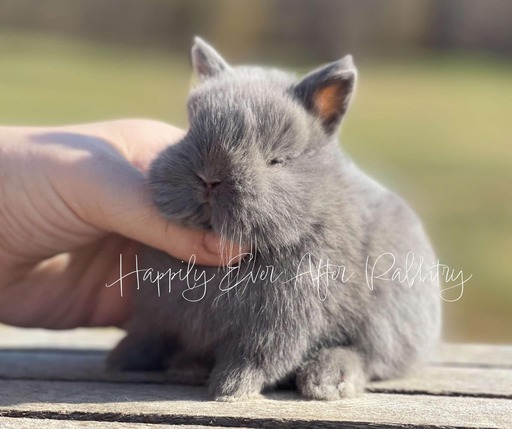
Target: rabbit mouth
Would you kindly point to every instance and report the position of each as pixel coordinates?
(205, 216)
(198, 218)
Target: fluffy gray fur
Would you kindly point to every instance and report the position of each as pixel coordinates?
(280, 183)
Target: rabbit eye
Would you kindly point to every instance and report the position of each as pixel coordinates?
(276, 161)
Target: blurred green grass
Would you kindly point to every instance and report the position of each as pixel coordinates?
(436, 128)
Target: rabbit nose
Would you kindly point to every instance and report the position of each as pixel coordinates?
(211, 183)
(208, 184)
(208, 188)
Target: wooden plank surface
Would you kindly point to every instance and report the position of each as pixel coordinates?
(66, 366)
(104, 339)
(89, 339)
(83, 366)
(150, 403)
(36, 423)
(484, 355)
(57, 379)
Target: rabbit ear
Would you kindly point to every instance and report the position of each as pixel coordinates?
(326, 92)
(205, 60)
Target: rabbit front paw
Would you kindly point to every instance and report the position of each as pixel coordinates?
(333, 374)
(235, 384)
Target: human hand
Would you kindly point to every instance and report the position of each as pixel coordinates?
(72, 199)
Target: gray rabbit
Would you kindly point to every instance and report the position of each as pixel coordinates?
(335, 290)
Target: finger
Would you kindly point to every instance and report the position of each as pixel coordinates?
(141, 140)
(138, 140)
(126, 209)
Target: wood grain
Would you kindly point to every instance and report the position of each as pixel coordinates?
(36, 423)
(57, 379)
(86, 366)
(192, 405)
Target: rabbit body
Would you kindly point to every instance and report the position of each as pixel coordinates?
(335, 290)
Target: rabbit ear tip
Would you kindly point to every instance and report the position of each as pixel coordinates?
(198, 41)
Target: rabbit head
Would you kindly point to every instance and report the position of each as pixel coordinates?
(260, 161)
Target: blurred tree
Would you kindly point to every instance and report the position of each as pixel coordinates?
(304, 29)
(472, 25)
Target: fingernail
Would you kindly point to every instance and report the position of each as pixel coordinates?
(230, 254)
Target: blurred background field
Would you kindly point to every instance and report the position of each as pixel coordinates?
(431, 117)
